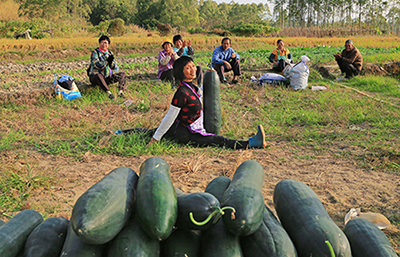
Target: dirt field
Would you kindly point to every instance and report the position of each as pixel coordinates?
(340, 183)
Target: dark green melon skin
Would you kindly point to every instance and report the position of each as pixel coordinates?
(74, 246)
(181, 243)
(245, 195)
(212, 102)
(133, 241)
(101, 212)
(156, 203)
(15, 232)
(47, 239)
(2, 223)
(201, 205)
(218, 186)
(269, 240)
(218, 241)
(307, 222)
(367, 240)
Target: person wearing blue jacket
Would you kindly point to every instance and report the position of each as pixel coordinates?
(225, 59)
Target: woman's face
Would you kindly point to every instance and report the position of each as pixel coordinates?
(179, 44)
(189, 71)
(281, 45)
(104, 44)
(167, 47)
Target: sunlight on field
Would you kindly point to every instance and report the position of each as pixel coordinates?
(202, 42)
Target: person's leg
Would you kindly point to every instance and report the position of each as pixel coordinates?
(220, 69)
(281, 65)
(99, 80)
(119, 77)
(348, 68)
(236, 69)
(168, 76)
(199, 76)
(182, 135)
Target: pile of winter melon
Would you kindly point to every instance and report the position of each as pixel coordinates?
(144, 216)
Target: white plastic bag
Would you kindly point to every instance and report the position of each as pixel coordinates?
(271, 78)
(299, 74)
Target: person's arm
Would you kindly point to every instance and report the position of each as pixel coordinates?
(175, 56)
(179, 52)
(216, 59)
(114, 65)
(352, 57)
(167, 122)
(99, 62)
(190, 50)
(163, 58)
(271, 58)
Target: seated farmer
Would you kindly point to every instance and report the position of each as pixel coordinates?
(166, 60)
(103, 69)
(184, 48)
(225, 59)
(183, 122)
(350, 61)
(279, 55)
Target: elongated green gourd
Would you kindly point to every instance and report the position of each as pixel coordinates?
(244, 194)
(181, 243)
(103, 210)
(307, 222)
(133, 241)
(269, 240)
(211, 102)
(14, 233)
(74, 246)
(367, 240)
(217, 187)
(47, 239)
(156, 203)
(218, 241)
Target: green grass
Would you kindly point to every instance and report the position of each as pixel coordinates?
(15, 186)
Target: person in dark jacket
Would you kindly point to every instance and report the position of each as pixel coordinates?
(104, 69)
(350, 61)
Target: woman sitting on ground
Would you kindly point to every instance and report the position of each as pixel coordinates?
(279, 56)
(166, 60)
(183, 122)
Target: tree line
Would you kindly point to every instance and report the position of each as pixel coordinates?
(379, 15)
(208, 16)
(181, 14)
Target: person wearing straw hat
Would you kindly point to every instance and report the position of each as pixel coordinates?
(104, 70)
(166, 60)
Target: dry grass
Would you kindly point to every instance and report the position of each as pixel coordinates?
(139, 43)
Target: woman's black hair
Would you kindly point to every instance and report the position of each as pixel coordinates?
(176, 38)
(104, 37)
(279, 40)
(179, 64)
